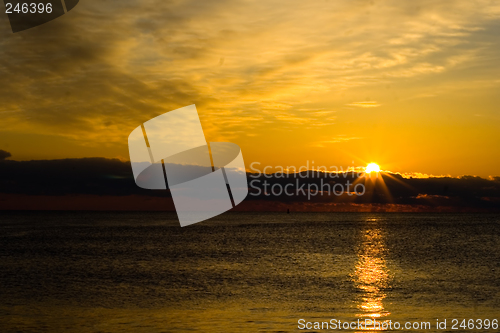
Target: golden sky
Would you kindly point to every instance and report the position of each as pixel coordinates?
(411, 85)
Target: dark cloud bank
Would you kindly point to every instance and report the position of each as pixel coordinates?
(99, 183)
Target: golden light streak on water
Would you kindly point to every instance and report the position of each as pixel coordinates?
(371, 275)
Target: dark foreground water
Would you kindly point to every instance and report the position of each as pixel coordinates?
(141, 272)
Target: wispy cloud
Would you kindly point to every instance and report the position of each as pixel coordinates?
(337, 139)
(370, 104)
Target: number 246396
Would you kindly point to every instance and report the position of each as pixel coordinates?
(26, 8)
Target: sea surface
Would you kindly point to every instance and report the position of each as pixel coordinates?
(244, 272)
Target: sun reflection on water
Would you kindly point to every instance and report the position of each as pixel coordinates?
(371, 276)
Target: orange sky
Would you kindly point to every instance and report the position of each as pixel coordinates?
(412, 86)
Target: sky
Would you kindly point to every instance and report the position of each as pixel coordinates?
(410, 85)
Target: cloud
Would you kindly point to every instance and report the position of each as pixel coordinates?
(337, 139)
(106, 67)
(4, 154)
(370, 104)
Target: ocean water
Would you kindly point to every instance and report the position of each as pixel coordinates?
(244, 272)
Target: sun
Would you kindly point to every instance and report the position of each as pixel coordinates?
(372, 167)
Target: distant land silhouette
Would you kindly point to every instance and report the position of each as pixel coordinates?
(108, 184)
